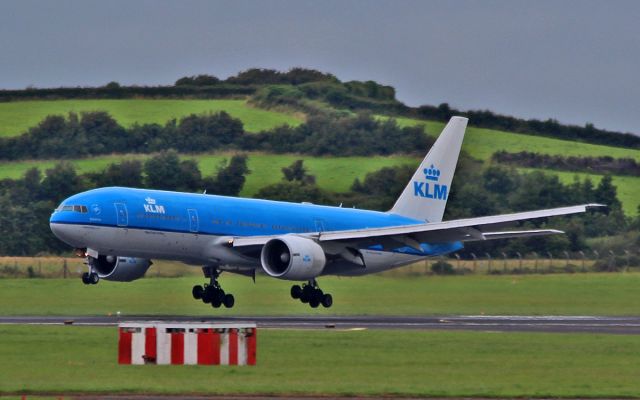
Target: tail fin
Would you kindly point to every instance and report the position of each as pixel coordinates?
(425, 196)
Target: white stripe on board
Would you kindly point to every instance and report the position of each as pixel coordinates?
(224, 348)
(137, 347)
(242, 347)
(190, 348)
(163, 340)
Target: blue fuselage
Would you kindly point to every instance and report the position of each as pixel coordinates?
(190, 214)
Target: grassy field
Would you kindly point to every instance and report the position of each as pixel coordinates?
(53, 267)
(553, 294)
(482, 143)
(81, 359)
(16, 117)
(628, 187)
(332, 173)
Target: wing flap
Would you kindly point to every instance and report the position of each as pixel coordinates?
(520, 234)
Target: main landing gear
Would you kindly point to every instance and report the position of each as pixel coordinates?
(212, 293)
(312, 294)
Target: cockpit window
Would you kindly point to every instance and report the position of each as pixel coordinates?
(80, 209)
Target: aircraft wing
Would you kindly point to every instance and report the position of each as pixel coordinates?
(469, 229)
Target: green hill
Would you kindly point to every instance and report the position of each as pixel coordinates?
(18, 116)
(332, 173)
(482, 143)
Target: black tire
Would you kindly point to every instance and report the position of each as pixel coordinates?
(314, 303)
(94, 278)
(207, 295)
(307, 294)
(296, 291)
(228, 300)
(327, 300)
(216, 302)
(85, 278)
(197, 292)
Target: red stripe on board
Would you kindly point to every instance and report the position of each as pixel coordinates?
(252, 341)
(124, 347)
(150, 345)
(233, 346)
(177, 348)
(205, 347)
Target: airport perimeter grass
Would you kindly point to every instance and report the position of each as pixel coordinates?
(553, 294)
(67, 360)
(18, 116)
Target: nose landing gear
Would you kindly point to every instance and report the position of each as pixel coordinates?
(212, 293)
(312, 294)
(90, 278)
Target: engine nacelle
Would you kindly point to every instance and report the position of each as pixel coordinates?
(121, 269)
(293, 258)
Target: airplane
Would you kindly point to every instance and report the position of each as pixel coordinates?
(119, 230)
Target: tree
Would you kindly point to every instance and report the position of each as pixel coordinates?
(229, 178)
(60, 182)
(162, 171)
(127, 173)
(298, 173)
(606, 193)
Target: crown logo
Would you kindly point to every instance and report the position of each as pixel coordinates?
(432, 173)
(149, 200)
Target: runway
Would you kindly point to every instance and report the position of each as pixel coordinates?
(574, 324)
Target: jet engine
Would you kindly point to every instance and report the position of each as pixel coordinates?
(121, 269)
(293, 258)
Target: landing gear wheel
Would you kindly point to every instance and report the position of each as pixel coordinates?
(94, 278)
(197, 292)
(217, 298)
(312, 294)
(228, 300)
(216, 302)
(212, 293)
(307, 294)
(296, 291)
(327, 300)
(85, 278)
(207, 295)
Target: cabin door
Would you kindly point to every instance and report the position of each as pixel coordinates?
(121, 214)
(193, 220)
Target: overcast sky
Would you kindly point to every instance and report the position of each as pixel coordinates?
(576, 61)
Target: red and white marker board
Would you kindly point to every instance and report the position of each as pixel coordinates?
(187, 343)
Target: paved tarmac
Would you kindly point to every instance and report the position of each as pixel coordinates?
(586, 324)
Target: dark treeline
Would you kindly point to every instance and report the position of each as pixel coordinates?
(115, 91)
(28, 202)
(549, 127)
(94, 133)
(601, 165)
